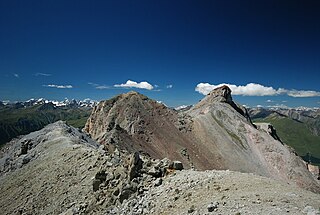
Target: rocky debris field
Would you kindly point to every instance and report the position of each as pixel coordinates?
(59, 170)
(224, 192)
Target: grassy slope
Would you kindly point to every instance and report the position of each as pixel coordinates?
(15, 122)
(296, 135)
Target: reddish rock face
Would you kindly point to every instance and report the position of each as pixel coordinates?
(136, 123)
(215, 134)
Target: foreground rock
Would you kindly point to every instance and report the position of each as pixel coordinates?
(61, 170)
(68, 173)
(226, 192)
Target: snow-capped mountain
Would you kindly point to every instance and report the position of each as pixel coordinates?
(64, 103)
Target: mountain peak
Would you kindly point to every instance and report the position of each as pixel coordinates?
(218, 95)
(132, 94)
(222, 94)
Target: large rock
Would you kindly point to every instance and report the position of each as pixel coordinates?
(135, 165)
(177, 165)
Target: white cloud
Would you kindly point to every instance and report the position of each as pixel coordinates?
(42, 74)
(93, 84)
(169, 86)
(270, 101)
(102, 87)
(250, 89)
(302, 93)
(58, 86)
(131, 84)
(253, 89)
(16, 75)
(259, 106)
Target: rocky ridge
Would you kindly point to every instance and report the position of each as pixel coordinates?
(61, 170)
(216, 133)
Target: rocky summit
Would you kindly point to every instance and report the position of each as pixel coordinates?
(136, 156)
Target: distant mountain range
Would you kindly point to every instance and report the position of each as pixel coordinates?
(55, 103)
(18, 118)
(297, 127)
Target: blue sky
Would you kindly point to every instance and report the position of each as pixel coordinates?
(90, 49)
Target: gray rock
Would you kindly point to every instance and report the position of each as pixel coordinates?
(212, 206)
(125, 194)
(135, 165)
(158, 182)
(165, 162)
(24, 147)
(177, 165)
(309, 210)
(95, 184)
(155, 172)
(191, 209)
(26, 160)
(101, 175)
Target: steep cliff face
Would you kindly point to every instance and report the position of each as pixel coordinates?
(214, 134)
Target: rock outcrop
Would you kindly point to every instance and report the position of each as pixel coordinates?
(216, 133)
(267, 127)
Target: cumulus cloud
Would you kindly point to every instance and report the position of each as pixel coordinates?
(58, 86)
(133, 84)
(169, 86)
(270, 101)
(42, 74)
(253, 89)
(16, 75)
(250, 89)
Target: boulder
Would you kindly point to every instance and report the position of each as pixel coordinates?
(177, 165)
(135, 165)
